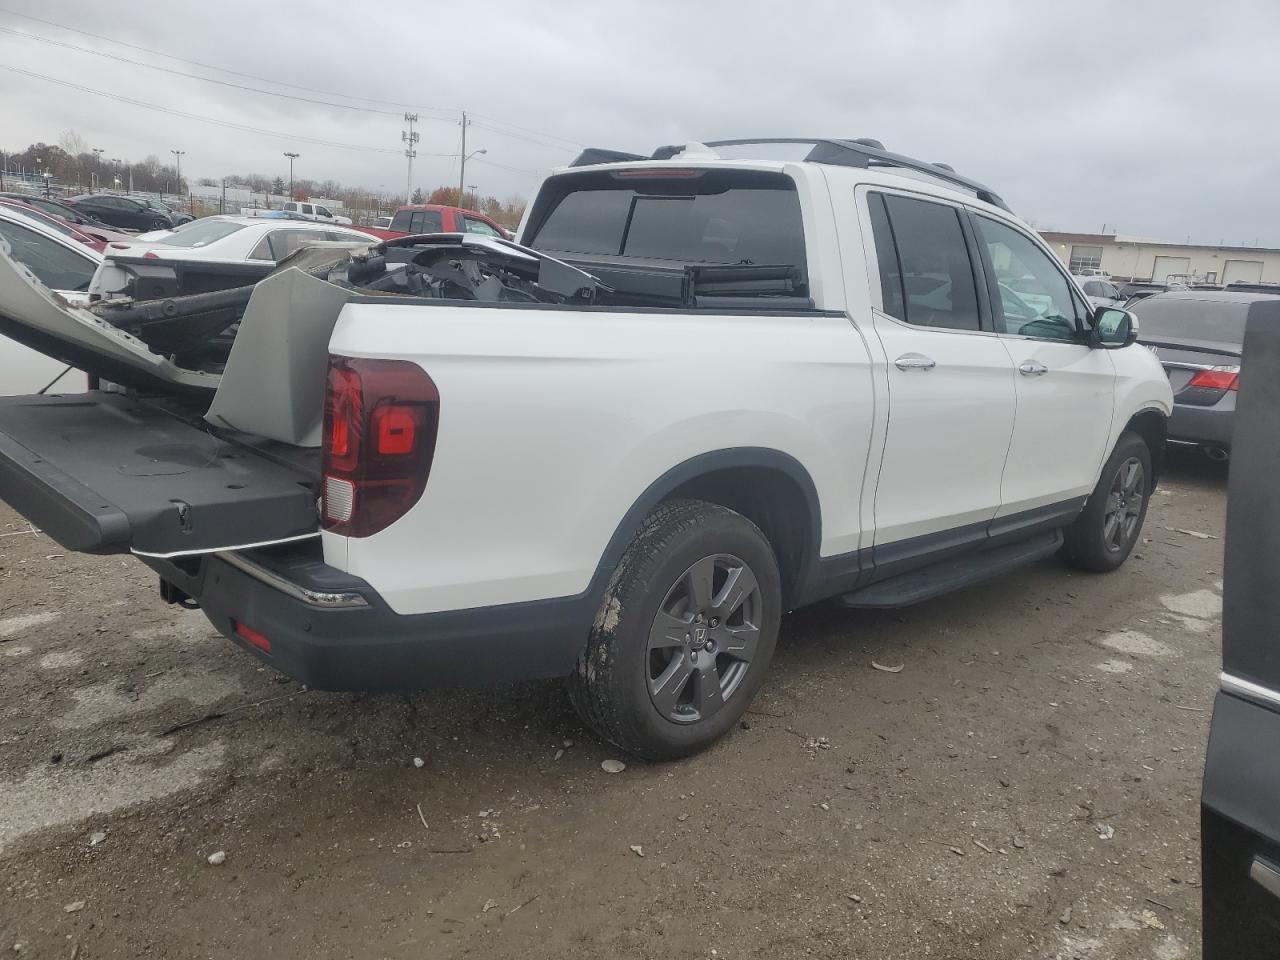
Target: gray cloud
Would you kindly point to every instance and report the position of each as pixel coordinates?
(1154, 118)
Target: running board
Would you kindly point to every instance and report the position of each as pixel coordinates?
(947, 575)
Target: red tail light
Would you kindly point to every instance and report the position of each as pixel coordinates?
(1220, 378)
(252, 636)
(380, 420)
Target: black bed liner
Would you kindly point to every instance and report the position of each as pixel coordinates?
(111, 473)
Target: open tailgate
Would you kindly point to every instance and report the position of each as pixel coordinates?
(109, 473)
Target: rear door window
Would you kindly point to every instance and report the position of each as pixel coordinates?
(426, 221)
(925, 269)
(686, 216)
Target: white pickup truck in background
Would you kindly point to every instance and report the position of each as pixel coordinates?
(705, 391)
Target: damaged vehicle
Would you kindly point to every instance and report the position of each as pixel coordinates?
(713, 385)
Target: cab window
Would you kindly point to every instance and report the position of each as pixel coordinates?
(1034, 297)
(926, 274)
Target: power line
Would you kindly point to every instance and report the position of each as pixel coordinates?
(210, 66)
(203, 119)
(505, 166)
(521, 136)
(537, 136)
(192, 76)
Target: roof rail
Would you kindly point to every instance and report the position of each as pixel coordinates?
(863, 152)
(871, 153)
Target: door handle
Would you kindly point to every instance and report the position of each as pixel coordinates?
(1266, 876)
(914, 361)
(1032, 368)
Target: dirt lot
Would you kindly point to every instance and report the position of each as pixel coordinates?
(1026, 786)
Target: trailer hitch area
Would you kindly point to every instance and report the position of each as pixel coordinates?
(171, 593)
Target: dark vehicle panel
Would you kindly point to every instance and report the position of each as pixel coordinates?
(1240, 805)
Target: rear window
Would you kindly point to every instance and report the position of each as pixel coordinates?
(1213, 321)
(200, 233)
(418, 221)
(715, 217)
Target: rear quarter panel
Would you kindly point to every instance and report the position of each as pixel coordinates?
(554, 422)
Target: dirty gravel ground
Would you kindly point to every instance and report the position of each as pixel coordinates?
(957, 809)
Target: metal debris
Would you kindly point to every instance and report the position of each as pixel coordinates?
(882, 668)
(613, 766)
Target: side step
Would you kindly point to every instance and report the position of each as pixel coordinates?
(933, 581)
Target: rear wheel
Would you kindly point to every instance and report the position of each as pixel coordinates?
(1104, 534)
(684, 634)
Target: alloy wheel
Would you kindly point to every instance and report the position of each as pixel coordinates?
(703, 638)
(1124, 505)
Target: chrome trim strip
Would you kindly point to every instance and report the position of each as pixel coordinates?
(315, 598)
(1249, 689)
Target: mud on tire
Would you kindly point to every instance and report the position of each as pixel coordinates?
(684, 635)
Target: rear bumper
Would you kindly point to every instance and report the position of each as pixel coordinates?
(1210, 425)
(332, 631)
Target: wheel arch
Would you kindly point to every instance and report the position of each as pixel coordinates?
(1153, 427)
(770, 488)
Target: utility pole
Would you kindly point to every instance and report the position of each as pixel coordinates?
(177, 154)
(410, 140)
(292, 157)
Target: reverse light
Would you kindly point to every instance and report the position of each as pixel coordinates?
(1217, 378)
(380, 422)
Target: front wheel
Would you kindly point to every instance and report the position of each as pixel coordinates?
(158, 224)
(1104, 534)
(684, 634)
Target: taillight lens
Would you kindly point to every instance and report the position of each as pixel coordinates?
(1219, 378)
(380, 422)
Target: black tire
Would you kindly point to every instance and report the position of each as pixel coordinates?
(158, 224)
(659, 573)
(1092, 543)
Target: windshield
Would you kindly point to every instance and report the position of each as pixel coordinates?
(201, 233)
(1213, 321)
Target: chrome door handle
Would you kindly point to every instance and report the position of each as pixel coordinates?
(1032, 368)
(1266, 876)
(914, 361)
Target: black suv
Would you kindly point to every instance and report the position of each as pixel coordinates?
(129, 213)
(1240, 807)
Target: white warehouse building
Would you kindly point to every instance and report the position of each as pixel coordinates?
(1133, 258)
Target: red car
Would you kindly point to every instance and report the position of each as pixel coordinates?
(437, 218)
(56, 223)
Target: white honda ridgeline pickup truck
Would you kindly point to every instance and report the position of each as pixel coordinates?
(706, 388)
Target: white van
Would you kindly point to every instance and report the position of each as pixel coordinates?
(313, 211)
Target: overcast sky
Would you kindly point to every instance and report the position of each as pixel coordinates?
(1158, 119)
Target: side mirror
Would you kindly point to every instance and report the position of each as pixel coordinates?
(1113, 328)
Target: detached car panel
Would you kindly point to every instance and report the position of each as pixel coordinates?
(1240, 807)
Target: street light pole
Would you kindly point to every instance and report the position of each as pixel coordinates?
(292, 157)
(177, 155)
(462, 173)
(97, 156)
